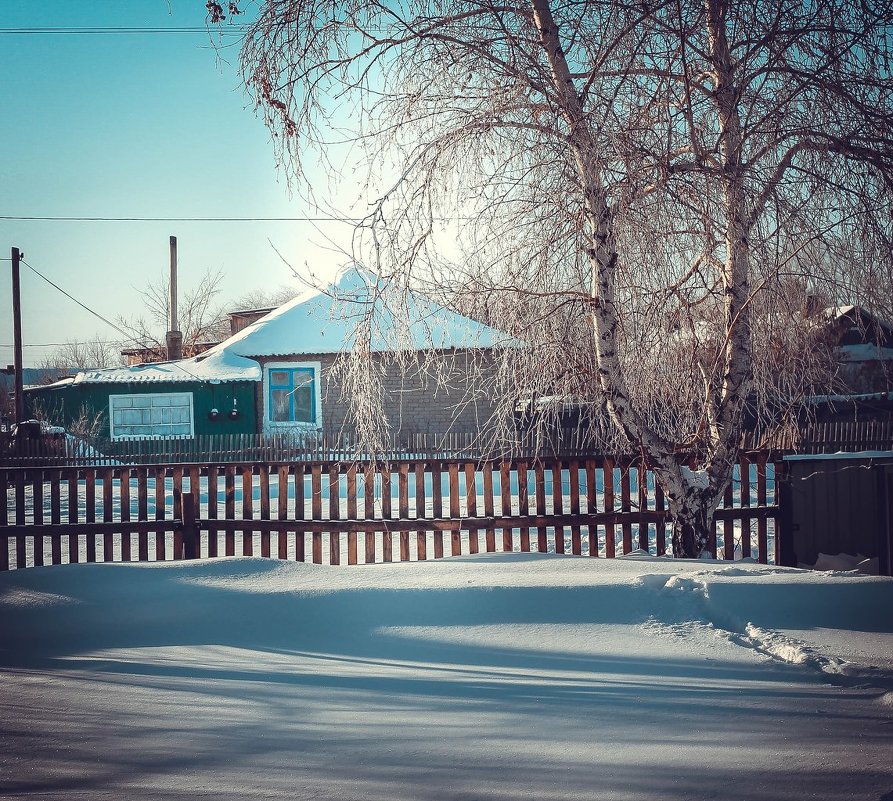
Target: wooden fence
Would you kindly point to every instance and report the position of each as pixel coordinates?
(330, 512)
(329, 446)
(62, 450)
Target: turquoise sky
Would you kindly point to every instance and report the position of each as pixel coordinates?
(133, 125)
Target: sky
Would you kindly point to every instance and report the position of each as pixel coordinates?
(497, 676)
(135, 125)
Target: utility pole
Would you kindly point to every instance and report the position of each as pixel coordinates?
(174, 339)
(17, 336)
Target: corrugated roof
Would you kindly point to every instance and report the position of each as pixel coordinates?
(220, 366)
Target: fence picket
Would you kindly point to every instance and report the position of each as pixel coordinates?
(369, 511)
(352, 512)
(37, 505)
(316, 511)
(160, 510)
(626, 527)
(642, 485)
(540, 491)
(403, 504)
(744, 494)
(573, 470)
(505, 494)
(177, 480)
(660, 505)
(142, 512)
(229, 510)
(247, 509)
(264, 482)
(334, 514)
(455, 539)
(387, 537)
(490, 534)
(108, 544)
(300, 512)
(437, 507)
(558, 504)
(591, 506)
(421, 533)
(762, 530)
(124, 495)
(471, 505)
(608, 484)
(523, 504)
(213, 509)
(73, 539)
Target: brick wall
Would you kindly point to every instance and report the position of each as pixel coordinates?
(415, 398)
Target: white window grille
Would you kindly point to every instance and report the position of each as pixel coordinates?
(151, 416)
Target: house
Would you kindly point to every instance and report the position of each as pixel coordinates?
(280, 372)
(864, 349)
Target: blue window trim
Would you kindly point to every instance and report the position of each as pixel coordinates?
(292, 372)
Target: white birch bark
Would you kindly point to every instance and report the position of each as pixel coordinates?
(644, 194)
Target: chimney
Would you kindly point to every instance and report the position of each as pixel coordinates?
(174, 338)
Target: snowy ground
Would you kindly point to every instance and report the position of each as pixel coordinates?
(492, 677)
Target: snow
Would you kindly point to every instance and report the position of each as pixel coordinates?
(221, 365)
(489, 677)
(326, 322)
(697, 479)
(316, 323)
(837, 456)
(864, 352)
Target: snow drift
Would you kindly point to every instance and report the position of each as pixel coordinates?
(499, 676)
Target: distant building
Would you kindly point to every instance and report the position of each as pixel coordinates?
(153, 354)
(158, 353)
(244, 317)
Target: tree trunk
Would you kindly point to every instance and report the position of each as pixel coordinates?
(692, 498)
(692, 530)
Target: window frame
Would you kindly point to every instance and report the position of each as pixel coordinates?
(316, 400)
(147, 398)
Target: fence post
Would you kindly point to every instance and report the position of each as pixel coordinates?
(190, 527)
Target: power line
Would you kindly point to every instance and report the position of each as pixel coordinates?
(118, 328)
(82, 305)
(63, 344)
(230, 30)
(60, 218)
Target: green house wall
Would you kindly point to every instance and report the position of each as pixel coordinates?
(65, 405)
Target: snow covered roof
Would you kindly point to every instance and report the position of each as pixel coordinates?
(326, 322)
(322, 322)
(855, 313)
(220, 366)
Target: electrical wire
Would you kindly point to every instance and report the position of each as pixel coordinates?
(229, 30)
(19, 218)
(104, 319)
(63, 344)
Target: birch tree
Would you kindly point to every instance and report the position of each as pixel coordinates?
(631, 189)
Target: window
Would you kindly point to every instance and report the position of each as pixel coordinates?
(292, 395)
(156, 415)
